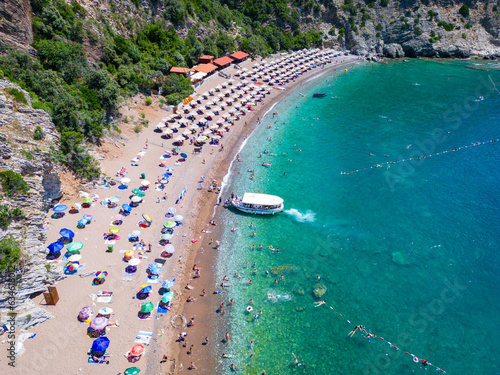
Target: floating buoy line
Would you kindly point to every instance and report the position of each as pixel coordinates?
(388, 163)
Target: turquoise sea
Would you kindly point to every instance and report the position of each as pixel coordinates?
(410, 252)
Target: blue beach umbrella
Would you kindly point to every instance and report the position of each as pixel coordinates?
(183, 155)
(126, 207)
(60, 208)
(66, 233)
(145, 288)
(100, 344)
(154, 268)
(55, 247)
(169, 170)
(167, 284)
(82, 222)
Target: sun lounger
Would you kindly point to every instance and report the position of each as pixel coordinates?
(143, 337)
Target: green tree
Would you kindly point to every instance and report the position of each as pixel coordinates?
(13, 183)
(10, 253)
(464, 11)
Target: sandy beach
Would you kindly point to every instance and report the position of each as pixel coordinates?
(61, 344)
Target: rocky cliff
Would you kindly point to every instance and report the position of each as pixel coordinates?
(380, 27)
(21, 153)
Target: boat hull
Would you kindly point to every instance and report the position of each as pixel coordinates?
(256, 211)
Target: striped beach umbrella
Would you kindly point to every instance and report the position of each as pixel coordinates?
(114, 230)
(145, 288)
(101, 274)
(99, 323)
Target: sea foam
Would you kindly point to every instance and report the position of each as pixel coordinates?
(307, 217)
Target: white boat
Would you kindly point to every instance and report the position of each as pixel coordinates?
(254, 203)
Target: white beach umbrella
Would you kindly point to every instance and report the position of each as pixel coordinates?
(201, 138)
(214, 126)
(186, 132)
(161, 125)
(125, 180)
(215, 136)
(167, 131)
(179, 138)
(207, 132)
(145, 183)
(209, 103)
(194, 127)
(136, 199)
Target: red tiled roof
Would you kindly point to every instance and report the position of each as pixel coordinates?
(223, 61)
(177, 69)
(205, 68)
(239, 55)
(206, 57)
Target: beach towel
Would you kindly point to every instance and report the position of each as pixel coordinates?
(126, 279)
(109, 242)
(104, 297)
(147, 318)
(143, 337)
(129, 273)
(153, 281)
(91, 360)
(160, 310)
(81, 267)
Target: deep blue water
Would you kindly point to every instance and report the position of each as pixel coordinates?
(410, 252)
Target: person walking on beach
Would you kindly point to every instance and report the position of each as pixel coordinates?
(227, 336)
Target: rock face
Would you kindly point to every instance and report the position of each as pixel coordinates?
(21, 153)
(15, 25)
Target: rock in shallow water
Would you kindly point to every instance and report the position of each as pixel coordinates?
(399, 259)
(319, 290)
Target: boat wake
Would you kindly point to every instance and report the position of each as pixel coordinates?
(307, 217)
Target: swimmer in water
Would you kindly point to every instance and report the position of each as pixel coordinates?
(295, 360)
(317, 304)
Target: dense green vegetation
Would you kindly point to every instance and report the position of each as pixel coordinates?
(13, 183)
(7, 215)
(82, 99)
(16, 94)
(10, 253)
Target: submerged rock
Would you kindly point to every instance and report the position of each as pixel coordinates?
(319, 290)
(399, 259)
(299, 291)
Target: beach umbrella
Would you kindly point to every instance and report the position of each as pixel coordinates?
(167, 236)
(129, 254)
(167, 131)
(55, 247)
(114, 199)
(194, 127)
(170, 224)
(186, 132)
(170, 248)
(216, 136)
(87, 217)
(105, 311)
(132, 371)
(178, 218)
(60, 208)
(147, 218)
(145, 288)
(76, 206)
(75, 246)
(99, 323)
(118, 217)
(167, 284)
(183, 155)
(171, 210)
(179, 138)
(71, 267)
(82, 223)
(135, 233)
(101, 274)
(66, 233)
(134, 262)
(136, 191)
(147, 307)
(145, 183)
(126, 207)
(141, 194)
(167, 297)
(201, 138)
(154, 268)
(75, 258)
(169, 170)
(136, 199)
(114, 230)
(85, 313)
(100, 344)
(138, 349)
(125, 180)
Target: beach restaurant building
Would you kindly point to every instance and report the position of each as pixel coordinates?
(208, 69)
(223, 62)
(180, 70)
(205, 59)
(239, 56)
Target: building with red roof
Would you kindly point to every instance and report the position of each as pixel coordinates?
(205, 59)
(239, 56)
(222, 62)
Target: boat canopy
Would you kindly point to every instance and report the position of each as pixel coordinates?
(261, 199)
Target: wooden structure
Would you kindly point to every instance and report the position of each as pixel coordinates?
(51, 297)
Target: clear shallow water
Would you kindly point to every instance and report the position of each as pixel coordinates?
(409, 252)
